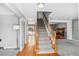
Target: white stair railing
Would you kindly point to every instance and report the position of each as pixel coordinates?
(45, 22)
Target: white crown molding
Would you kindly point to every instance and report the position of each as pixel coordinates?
(15, 10)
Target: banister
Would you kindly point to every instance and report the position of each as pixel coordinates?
(52, 38)
(45, 22)
(36, 40)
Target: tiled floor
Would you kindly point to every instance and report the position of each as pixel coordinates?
(68, 47)
(8, 52)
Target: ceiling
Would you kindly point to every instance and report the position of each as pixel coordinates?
(64, 11)
(4, 10)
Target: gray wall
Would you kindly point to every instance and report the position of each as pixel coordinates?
(7, 34)
(78, 20)
(75, 30)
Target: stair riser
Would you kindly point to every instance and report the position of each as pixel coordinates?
(44, 40)
(45, 51)
(42, 27)
(43, 43)
(45, 46)
(42, 37)
(42, 33)
(42, 30)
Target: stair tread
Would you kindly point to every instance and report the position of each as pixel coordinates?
(45, 51)
(45, 46)
(42, 32)
(43, 37)
(44, 41)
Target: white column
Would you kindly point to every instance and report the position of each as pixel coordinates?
(69, 30)
(78, 20)
(21, 34)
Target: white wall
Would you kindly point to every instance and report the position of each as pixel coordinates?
(75, 30)
(28, 10)
(61, 25)
(69, 30)
(7, 34)
(78, 20)
(39, 15)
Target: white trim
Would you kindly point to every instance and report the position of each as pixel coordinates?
(15, 10)
(9, 47)
(75, 40)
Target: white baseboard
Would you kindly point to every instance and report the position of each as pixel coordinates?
(9, 47)
(75, 40)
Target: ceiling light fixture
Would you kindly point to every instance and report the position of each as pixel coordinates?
(40, 5)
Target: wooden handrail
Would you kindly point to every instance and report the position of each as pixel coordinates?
(54, 43)
(36, 40)
(45, 17)
(52, 38)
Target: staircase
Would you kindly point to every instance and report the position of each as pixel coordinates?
(44, 43)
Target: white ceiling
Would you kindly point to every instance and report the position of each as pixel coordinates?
(27, 9)
(59, 10)
(4, 10)
(64, 11)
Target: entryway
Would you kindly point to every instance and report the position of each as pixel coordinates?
(61, 30)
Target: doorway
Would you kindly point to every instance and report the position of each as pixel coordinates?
(60, 33)
(61, 30)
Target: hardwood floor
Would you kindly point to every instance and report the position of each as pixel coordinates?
(29, 51)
